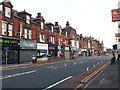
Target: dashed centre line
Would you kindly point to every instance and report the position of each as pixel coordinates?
(18, 74)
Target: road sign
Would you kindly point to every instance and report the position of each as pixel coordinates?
(6, 48)
(117, 35)
(118, 39)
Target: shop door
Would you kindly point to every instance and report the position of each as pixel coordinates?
(11, 56)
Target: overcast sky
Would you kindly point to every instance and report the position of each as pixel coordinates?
(89, 17)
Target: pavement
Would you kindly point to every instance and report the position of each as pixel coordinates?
(109, 78)
(45, 62)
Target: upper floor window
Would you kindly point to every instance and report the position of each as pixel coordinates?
(60, 41)
(27, 19)
(66, 33)
(66, 42)
(1, 7)
(10, 30)
(42, 38)
(42, 26)
(4, 29)
(30, 34)
(20, 29)
(52, 29)
(26, 36)
(8, 12)
(52, 39)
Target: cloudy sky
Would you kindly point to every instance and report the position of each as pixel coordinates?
(89, 17)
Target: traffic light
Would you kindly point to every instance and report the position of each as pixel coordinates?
(115, 47)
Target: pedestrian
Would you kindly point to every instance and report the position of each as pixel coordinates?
(113, 59)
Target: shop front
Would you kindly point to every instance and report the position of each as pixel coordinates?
(9, 50)
(52, 50)
(84, 52)
(28, 50)
(67, 53)
(42, 50)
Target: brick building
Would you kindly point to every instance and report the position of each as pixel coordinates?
(24, 38)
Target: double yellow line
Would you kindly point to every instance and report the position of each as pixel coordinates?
(91, 75)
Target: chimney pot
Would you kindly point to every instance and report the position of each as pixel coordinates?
(67, 24)
(38, 15)
(56, 23)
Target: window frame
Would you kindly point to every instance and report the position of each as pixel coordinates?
(27, 19)
(30, 34)
(10, 29)
(7, 11)
(1, 7)
(26, 33)
(21, 29)
(66, 34)
(52, 29)
(4, 29)
(42, 25)
(60, 32)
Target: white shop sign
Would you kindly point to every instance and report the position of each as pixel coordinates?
(42, 46)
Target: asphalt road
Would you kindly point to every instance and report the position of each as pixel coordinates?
(50, 75)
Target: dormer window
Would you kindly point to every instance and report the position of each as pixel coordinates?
(52, 29)
(1, 7)
(60, 31)
(27, 19)
(42, 25)
(8, 12)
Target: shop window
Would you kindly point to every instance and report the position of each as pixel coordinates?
(26, 34)
(10, 30)
(30, 34)
(8, 12)
(27, 19)
(1, 7)
(4, 29)
(42, 25)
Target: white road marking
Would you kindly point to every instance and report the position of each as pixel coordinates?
(55, 67)
(87, 68)
(58, 83)
(18, 74)
(74, 63)
(94, 78)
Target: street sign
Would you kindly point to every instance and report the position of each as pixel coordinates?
(6, 48)
(116, 15)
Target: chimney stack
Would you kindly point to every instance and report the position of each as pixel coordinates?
(6, 0)
(38, 15)
(56, 23)
(67, 24)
